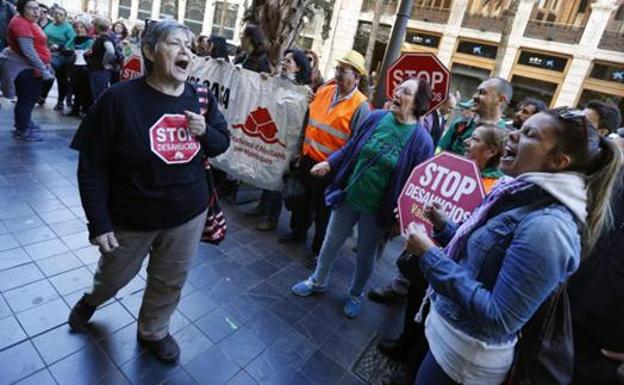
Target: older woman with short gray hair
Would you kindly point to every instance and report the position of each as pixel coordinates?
(142, 182)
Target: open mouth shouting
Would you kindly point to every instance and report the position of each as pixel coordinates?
(182, 64)
(509, 155)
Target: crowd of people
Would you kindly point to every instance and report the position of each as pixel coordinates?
(548, 229)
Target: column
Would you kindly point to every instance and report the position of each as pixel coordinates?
(521, 20)
(344, 24)
(239, 22)
(208, 18)
(114, 10)
(585, 52)
(181, 10)
(156, 10)
(134, 10)
(451, 32)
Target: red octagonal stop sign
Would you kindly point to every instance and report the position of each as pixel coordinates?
(132, 68)
(449, 179)
(422, 65)
(171, 140)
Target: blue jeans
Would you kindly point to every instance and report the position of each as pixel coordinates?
(430, 373)
(99, 81)
(28, 89)
(340, 227)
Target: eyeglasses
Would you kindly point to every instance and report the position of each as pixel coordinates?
(340, 70)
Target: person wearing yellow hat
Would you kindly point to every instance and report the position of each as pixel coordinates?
(333, 113)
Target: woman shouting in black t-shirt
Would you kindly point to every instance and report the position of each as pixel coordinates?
(142, 182)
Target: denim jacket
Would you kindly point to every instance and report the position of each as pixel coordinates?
(509, 266)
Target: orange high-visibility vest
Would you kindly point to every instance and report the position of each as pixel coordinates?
(328, 128)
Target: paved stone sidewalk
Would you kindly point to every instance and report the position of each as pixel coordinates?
(237, 322)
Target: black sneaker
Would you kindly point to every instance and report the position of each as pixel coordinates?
(386, 295)
(166, 350)
(291, 238)
(80, 314)
(397, 349)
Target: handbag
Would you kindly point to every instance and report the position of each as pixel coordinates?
(215, 226)
(545, 350)
(294, 191)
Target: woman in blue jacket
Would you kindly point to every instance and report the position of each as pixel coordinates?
(526, 238)
(369, 172)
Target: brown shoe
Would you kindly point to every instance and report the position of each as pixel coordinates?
(166, 349)
(80, 314)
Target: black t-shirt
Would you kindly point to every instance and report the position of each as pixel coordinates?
(123, 183)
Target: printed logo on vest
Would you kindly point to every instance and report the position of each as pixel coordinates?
(171, 140)
(259, 124)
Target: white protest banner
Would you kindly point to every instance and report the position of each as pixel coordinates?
(265, 117)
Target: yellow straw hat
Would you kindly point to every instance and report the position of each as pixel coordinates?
(355, 60)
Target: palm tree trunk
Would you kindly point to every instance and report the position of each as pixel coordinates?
(372, 37)
(508, 19)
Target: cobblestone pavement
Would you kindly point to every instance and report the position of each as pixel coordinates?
(237, 322)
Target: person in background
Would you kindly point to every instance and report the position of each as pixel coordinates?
(485, 147)
(79, 74)
(335, 112)
(60, 34)
(120, 30)
(44, 17)
(255, 47)
(531, 229)
(435, 122)
(217, 48)
(24, 66)
(202, 46)
(295, 68)
(136, 203)
(368, 174)
(527, 108)
(136, 31)
(605, 116)
(595, 290)
(103, 60)
(317, 78)
(488, 103)
(7, 11)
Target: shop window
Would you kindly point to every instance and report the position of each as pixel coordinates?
(477, 49)
(145, 9)
(548, 62)
(424, 39)
(466, 79)
(169, 9)
(194, 15)
(524, 87)
(588, 95)
(224, 21)
(608, 72)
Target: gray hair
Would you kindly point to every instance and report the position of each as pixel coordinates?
(157, 31)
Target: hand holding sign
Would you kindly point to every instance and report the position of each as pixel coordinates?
(196, 123)
(417, 242)
(436, 215)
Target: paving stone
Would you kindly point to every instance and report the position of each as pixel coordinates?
(10, 332)
(35, 235)
(45, 249)
(19, 276)
(59, 263)
(31, 295)
(42, 377)
(73, 280)
(12, 258)
(83, 367)
(60, 342)
(18, 362)
(222, 368)
(44, 317)
(8, 242)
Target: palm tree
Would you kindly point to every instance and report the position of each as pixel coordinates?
(372, 37)
(282, 21)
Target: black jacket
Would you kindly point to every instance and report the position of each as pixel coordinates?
(596, 293)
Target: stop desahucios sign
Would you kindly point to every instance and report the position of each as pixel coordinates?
(132, 68)
(171, 140)
(448, 179)
(421, 65)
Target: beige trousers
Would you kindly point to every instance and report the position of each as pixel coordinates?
(170, 250)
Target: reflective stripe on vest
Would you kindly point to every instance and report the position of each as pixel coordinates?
(317, 146)
(329, 126)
